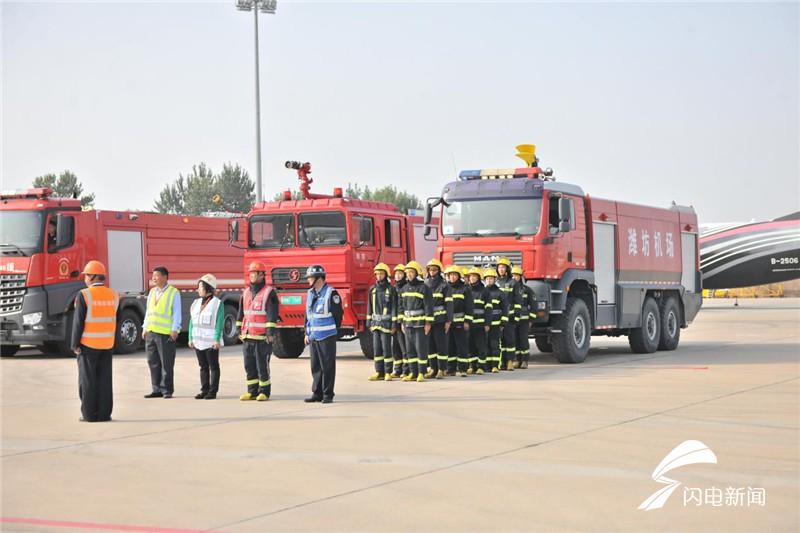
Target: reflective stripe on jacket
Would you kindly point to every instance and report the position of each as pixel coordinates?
(100, 324)
(320, 323)
(159, 310)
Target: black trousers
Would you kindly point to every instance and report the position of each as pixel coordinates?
(399, 351)
(417, 350)
(382, 352)
(256, 366)
(95, 384)
(477, 347)
(161, 360)
(323, 367)
(509, 347)
(208, 360)
(458, 356)
(523, 342)
(437, 347)
(493, 347)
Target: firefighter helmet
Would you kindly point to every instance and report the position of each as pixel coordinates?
(210, 279)
(464, 271)
(435, 263)
(475, 270)
(489, 272)
(504, 261)
(381, 266)
(451, 269)
(95, 268)
(315, 271)
(516, 270)
(257, 266)
(400, 266)
(413, 265)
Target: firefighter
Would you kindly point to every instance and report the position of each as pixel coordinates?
(93, 328)
(442, 319)
(513, 294)
(323, 320)
(399, 339)
(498, 315)
(481, 321)
(162, 324)
(415, 305)
(524, 324)
(382, 322)
(206, 319)
(458, 342)
(257, 319)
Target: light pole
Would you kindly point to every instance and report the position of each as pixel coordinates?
(269, 7)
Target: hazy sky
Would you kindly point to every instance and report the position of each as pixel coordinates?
(650, 103)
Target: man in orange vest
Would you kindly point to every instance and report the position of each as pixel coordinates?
(93, 330)
(257, 319)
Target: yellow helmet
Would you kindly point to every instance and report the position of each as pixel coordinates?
(504, 261)
(464, 271)
(453, 269)
(435, 263)
(516, 270)
(487, 272)
(381, 266)
(413, 265)
(476, 270)
(400, 266)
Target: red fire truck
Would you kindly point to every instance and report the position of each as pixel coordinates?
(597, 267)
(346, 236)
(40, 272)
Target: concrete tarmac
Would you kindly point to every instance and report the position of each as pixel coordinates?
(551, 448)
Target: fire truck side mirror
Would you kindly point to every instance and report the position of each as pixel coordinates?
(65, 228)
(233, 231)
(564, 215)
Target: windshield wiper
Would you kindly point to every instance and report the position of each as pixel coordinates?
(504, 234)
(286, 236)
(18, 249)
(305, 236)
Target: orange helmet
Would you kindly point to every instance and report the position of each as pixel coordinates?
(95, 268)
(257, 266)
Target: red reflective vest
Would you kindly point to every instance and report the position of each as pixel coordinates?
(254, 321)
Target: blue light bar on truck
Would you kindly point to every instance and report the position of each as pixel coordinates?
(498, 173)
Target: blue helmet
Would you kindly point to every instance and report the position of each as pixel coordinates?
(315, 271)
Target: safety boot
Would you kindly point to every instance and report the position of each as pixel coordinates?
(495, 370)
(247, 396)
(375, 377)
(388, 377)
(470, 371)
(440, 374)
(262, 397)
(429, 373)
(408, 377)
(479, 372)
(420, 378)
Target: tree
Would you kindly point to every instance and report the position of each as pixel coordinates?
(65, 185)
(403, 200)
(193, 194)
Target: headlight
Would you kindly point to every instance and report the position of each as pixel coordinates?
(31, 319)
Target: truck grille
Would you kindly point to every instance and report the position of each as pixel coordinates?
(482, 259)
(289, 275)
(12, 290)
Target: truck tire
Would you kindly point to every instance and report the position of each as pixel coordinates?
(62, 347)
(52, 348)
(645, 339)
(365, 340)
(572, 344)
(289, 343)
(670, 324)
(8, 350)
(128, 338)
(543, 344)
(230, 336)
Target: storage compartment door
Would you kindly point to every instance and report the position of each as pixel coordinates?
(604, 262)
(689, 261)
(125, 264)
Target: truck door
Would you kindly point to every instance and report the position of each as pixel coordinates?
(392, 250)
(689, 261)
(65, 258)
(605, 267)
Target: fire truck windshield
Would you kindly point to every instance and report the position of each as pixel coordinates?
(272, 231)
(21, 232)
(322, 229)
(484, 218)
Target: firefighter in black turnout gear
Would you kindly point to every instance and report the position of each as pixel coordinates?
(399, 339)
(442, 319)
(498, 315)
(415, 306)
(382, 322)
(481, 321)
(513, 293)
(524, 324)
(458, 342)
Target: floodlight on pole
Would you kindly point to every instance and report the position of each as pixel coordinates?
(269, 7)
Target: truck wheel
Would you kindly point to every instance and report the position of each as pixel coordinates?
(645, 339)
(572, 344)
(289, 343)
(670, 324)
(543, 344)
(129, 332)
(8, 350)
(365, 340)
(229, 335)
